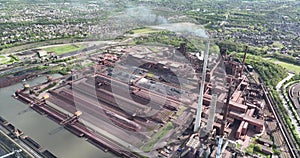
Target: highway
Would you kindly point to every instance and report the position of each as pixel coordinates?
(288, 104)
(294, 95)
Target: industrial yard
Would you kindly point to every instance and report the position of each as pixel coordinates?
(144, 100)
(149, 79)
(140, 121)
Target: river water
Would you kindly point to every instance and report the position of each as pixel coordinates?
(47, 133)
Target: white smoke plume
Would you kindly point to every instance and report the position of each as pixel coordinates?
(144, 15)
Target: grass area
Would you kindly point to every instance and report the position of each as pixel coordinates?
(288, 66)
(154, 50)
(7, 59)
(150, 75)
(64, 49)
(4, 59)
(157, 136)
(143, 31)
(270, 72)
(181, 110)
(255, 149)
(89, 64)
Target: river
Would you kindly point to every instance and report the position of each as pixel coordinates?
(46, 132)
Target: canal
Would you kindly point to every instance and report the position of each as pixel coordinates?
(47, 133)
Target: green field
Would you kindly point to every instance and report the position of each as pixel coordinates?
(144, 30)
(288, 66)
(154, 50)
(157, 136)
(64, 49)
(4, 59)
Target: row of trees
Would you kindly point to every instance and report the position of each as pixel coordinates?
(271, 73)
(167, 38)
(233, 46)
(284, 114)
(285, 58)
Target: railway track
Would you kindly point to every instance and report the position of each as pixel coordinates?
(4, 147)
(292, 147)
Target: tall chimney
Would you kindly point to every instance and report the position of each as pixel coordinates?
(225, 109)
(212, 112)
(201, 93)
(183, 48)
(244, 59)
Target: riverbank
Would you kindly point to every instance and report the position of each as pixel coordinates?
(47, 133)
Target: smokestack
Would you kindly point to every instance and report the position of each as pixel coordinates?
(183, 48)
(201, 93)
(225, 109)
(212, 111)
(244, 59)
(223, 52)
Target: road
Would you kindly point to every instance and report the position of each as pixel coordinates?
(279, 85)
(285, 104)
(294, 94)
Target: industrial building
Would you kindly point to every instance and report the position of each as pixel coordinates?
(133, 96)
